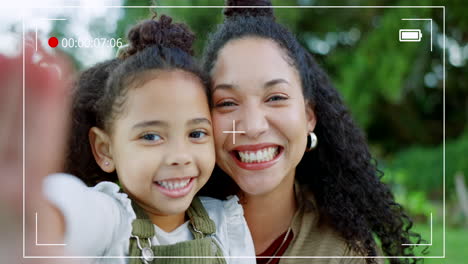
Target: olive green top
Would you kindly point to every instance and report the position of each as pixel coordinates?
(201, 226)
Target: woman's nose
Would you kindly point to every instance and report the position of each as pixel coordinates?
(253, 121)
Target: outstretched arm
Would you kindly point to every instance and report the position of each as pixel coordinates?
(45, 112)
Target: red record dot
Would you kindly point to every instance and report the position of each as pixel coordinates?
(53, 42)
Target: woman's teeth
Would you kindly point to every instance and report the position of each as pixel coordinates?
(262, 155)
(172, 185)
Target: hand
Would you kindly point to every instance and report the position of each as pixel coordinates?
(46, 107)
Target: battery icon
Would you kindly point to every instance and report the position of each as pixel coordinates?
(410, 35)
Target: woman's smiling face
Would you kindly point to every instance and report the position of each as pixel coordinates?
(256, 88)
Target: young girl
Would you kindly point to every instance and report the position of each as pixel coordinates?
(142, 132)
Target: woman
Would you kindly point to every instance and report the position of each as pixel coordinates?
(300, 198)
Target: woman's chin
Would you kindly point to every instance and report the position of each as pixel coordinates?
(258, 186)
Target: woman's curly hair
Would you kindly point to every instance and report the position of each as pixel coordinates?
(100, 91)
(340, 172)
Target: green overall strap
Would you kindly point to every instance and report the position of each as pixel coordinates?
(201, 223)
(142, 232)
(201, 226)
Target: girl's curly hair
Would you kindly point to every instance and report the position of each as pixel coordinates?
(341, 172)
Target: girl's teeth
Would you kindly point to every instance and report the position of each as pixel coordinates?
(263, 155)
(172, 185)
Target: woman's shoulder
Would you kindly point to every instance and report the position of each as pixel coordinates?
(315, 236)
(312, 238)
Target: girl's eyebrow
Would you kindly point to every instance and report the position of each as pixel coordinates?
(199, 120)
(194, 121)
(151, 123)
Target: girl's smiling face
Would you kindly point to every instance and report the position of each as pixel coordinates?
(254, 84)
(161, 144)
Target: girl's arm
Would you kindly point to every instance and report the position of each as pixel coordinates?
(97, 221)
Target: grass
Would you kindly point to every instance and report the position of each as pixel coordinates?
(456, 246)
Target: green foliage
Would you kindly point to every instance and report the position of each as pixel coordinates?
(416, 203)
(378, 67)
(419, 170)
(201, 21)
(132, 16)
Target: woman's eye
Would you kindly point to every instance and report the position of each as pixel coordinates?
(226, 104)
(276, 98)
(151, 137)
(198, 134)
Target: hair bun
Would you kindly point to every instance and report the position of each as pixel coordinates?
(163, 32)
(230, 12)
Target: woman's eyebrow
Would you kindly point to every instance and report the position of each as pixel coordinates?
(199, 120)
(150, 123)
(226, 86)
(275, 82)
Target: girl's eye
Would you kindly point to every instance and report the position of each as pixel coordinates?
(276, 98)
(226, 104)
(198, 134)
(151, 137)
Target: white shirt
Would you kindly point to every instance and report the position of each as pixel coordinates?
(181, 233)
(99, 221)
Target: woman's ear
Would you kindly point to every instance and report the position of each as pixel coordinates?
(311, 118)
(100, 144)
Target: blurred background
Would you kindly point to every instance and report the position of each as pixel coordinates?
(395, 90)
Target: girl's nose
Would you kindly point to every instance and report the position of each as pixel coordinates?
(180, 160)
(179, 156)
